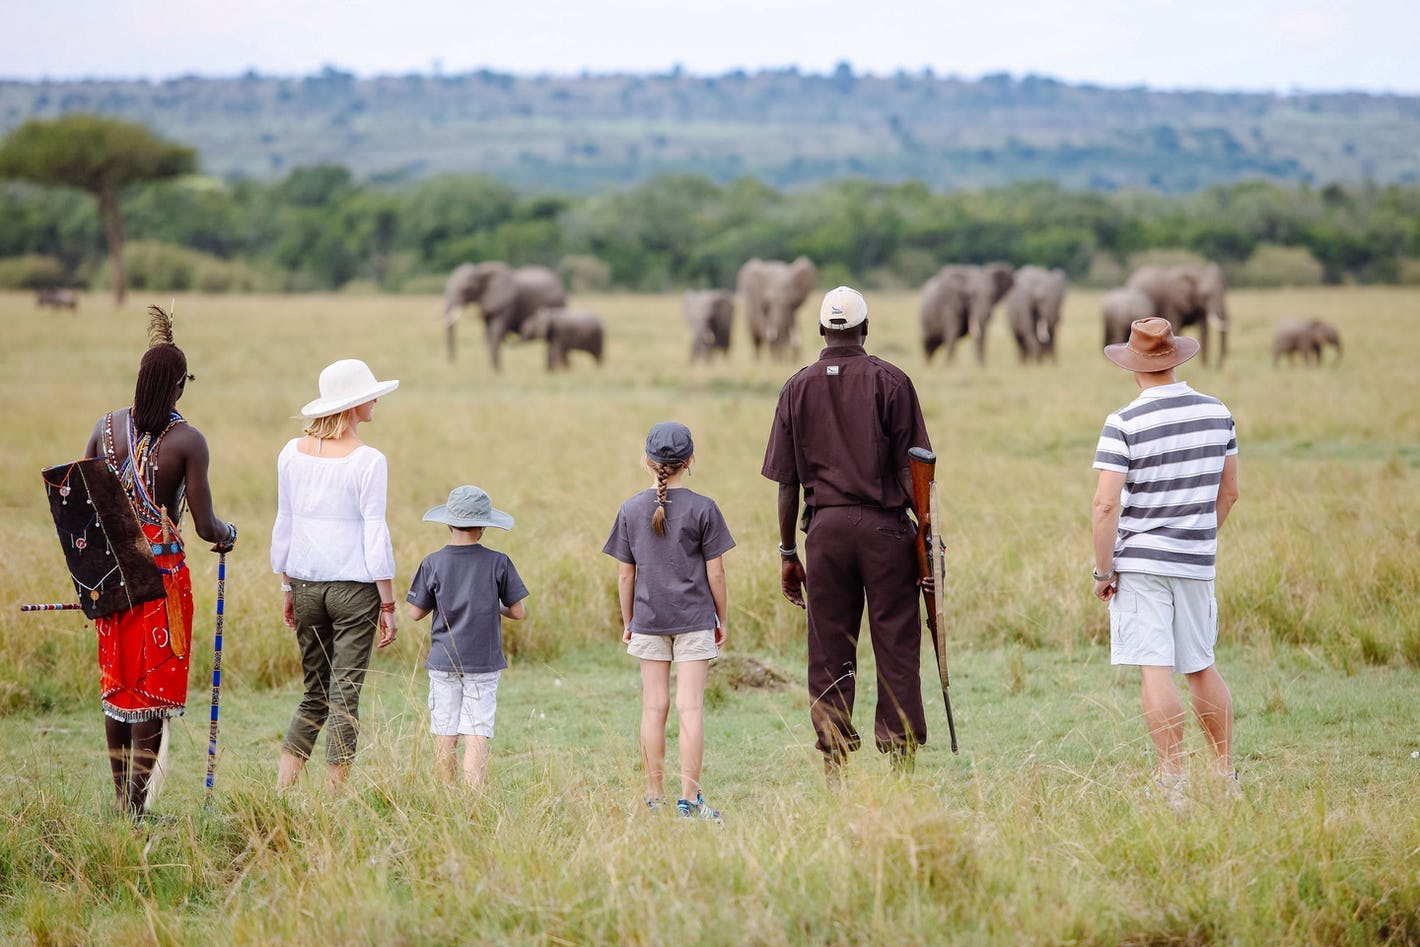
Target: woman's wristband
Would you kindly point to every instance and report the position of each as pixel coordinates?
(387, 606)
(790, 553)
(285, 586)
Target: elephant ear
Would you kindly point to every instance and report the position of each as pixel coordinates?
(749, 274)
(804, 276)
(499, 292)
(1002, 279)
(536, 326)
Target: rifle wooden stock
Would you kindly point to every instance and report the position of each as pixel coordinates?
(922, 464)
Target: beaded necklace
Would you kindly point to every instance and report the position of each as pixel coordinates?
(139, 472)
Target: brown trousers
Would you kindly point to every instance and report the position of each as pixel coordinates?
(853, 553)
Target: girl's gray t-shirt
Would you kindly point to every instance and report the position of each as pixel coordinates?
(461, 587)
(672, 590)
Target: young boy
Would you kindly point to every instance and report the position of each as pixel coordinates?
(468, 587)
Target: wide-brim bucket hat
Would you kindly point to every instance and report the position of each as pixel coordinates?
(345, 384)
(1152, 347)
(469, 506)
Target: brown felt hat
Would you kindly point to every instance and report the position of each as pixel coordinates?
(1152, 347)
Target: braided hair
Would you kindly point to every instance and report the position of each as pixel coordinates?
(161, 376)
(663, 472)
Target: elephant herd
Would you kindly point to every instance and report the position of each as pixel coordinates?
(956, 302)
(530, 301)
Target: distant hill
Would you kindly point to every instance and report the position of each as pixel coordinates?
(580, 134)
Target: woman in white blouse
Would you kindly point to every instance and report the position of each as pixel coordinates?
(331, 547)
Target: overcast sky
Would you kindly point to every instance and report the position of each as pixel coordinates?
(1255, 45)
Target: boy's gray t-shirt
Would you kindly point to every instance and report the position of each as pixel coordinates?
(672, 591)
(461, 587)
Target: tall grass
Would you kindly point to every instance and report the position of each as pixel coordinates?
(1037, 833)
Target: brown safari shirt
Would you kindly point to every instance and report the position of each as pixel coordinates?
(842, 429)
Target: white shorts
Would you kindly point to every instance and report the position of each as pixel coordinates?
(1162, 621)
(687, 646)
(462, 703)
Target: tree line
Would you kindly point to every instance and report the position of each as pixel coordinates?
(321, 228)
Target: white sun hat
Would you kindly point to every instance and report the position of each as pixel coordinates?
(345, 384)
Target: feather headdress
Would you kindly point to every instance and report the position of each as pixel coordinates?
(160, 327)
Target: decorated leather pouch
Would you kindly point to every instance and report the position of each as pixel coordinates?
(109, 558)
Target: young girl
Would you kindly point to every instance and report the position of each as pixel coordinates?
(668, 542)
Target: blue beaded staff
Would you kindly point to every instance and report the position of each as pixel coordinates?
(216, 680)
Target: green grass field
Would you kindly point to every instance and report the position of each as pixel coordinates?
(1038, 832)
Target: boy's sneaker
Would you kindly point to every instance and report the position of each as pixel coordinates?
(654, 803)
(1172, 788)
(698, 810)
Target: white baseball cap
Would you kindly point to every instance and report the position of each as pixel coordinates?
(843, 308)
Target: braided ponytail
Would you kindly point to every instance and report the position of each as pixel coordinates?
(663, 473)
(161, 375)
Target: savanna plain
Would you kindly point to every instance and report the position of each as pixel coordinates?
(1039, 831)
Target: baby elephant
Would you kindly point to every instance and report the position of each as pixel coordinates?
(709, 314)
(1307, 336)
(565, 330)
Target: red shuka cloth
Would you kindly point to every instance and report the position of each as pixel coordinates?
(140, 675)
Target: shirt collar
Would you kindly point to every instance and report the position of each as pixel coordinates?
(841, 351)
(1165, 391)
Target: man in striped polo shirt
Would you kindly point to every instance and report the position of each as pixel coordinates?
(1168, 478)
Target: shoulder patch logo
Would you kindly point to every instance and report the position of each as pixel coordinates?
(833, 369)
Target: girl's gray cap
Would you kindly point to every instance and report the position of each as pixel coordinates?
(469, 506)
(669, 443)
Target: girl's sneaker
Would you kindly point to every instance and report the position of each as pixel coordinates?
(698, 809)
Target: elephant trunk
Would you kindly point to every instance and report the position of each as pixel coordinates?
(1042, 332)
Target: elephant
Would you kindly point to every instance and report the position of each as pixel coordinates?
(506, 296)
(1307, 336)
(1033, 311)
(1185, 295)
(1121, 307)
(958, 301)
(709, 313)
(565, 330)
(773, 291)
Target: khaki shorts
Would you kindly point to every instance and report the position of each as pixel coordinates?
(687, 646)
(463, 703)
(1161, 621)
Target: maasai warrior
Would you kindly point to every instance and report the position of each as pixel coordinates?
(161, 461)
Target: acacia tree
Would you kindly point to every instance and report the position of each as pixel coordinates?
(100, 155)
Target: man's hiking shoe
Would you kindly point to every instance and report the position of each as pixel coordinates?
(698, 810)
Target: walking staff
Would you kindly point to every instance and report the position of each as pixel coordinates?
(216, 680)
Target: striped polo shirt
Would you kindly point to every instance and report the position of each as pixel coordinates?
(1169, 443)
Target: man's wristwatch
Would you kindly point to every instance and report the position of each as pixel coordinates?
(790, 553)
(1101, 578)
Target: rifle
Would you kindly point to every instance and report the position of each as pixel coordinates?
(931, 554)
